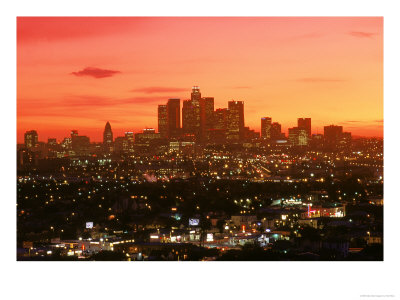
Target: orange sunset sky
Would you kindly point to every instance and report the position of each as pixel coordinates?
(79, 72)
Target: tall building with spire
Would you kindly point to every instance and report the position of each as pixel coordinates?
(191, 114)
(108, 138)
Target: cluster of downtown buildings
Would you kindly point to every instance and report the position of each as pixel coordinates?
(201, 123)
(201, 187)
(197, 123)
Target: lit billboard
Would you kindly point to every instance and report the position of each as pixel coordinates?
(194, 222)
(89, 225)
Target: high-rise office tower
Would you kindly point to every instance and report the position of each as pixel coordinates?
(174, 117)
(162, 121)
(221, 119)
(305, 123)
(195, 99)
(120, 145)
(346, 138)
(235, 120)
(266, 128)
(206, 116)
(220, 126)
(31, 139)
(195, 95)
(191, 119)
(80, 144)
(108, 138)
(124, 144)
(276, 131)
(298, 136)
(316, 140)
(332, 135)
(187, 117)
(130, 140)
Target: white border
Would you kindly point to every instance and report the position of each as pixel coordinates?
(275, 280)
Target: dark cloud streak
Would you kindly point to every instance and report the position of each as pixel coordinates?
(95, 72)
(362, 34)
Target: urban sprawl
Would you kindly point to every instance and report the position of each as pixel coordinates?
(201, 187)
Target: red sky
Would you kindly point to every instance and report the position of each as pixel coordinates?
(79, 72)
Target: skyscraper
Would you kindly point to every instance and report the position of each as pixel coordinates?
(108, 138)
(130, 140)
(124, 144)
(191, 119)
(305, 123)
(266, 128)
(206, 116)
(187, 117)
(221, 119)
(276, 131)
(162, 121)
(195, 95)
(298, 136)
(174, 117)
(332, 135)
(220, 124)
(120, 145)
(31, 139)
(80, 144)
(235, 120)
(195, 99)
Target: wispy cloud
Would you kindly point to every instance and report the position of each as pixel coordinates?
(95, 72)
(81, 104)
(159, 90)
(95, 101)
(362, 122)
(362, 34)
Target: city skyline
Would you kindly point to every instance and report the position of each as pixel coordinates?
(199, 139)
(69, 71)
(210, 120)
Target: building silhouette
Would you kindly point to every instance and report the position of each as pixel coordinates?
(80, 144)
(276, 131)
(173, 118)
(162, 121)
(206, 117)
(305, 123)
(191, 114)
(298, 136)
(235, 121)
(108, 138)
(334, 136)
(30, 139)
(266, 128)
